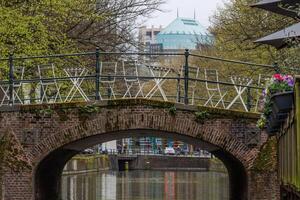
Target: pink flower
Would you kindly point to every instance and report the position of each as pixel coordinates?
(289, 80)
(278, 77)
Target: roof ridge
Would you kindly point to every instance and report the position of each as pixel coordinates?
(186, 26)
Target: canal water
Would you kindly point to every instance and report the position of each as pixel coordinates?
(146, 185)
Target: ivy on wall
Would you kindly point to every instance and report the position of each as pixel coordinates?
(201, 116)
(12, 155)
(86, 111)
(267, 157)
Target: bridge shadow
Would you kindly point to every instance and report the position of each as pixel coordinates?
(48, 172)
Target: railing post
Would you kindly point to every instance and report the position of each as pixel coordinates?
(186, 77)
(97, 96)
(11, 79)
(178, 89)
(248, 98)
(109, 92)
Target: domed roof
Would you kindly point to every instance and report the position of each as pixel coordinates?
(184, 26)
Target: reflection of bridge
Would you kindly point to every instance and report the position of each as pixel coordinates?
(46, 136)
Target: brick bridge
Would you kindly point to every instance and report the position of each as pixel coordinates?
(45, 137)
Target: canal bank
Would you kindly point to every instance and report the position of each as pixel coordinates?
(160, 162)
(94, 163)
(87, 163)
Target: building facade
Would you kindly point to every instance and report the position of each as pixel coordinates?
(147, 38)
(184, 33)
(180, 34)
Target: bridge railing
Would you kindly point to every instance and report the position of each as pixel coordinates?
(176, 77)
(137, 152)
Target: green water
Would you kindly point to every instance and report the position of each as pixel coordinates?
(146, 185)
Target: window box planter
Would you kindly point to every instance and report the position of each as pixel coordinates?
(274, 123)
(278, 101)
(282, 102)
(279, 116)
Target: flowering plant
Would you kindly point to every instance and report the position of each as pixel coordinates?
(278, 83)
(261, 123)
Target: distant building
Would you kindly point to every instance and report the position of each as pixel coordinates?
(184, 33)
(147, 39)
(110, 146)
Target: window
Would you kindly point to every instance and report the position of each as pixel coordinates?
(189, 22)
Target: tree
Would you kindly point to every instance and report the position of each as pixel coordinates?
(237, 26)
(20, 34)
(57, 26)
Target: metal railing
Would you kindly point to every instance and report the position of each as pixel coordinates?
(152, 152)
(88, 76)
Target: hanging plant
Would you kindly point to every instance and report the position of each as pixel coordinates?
(278, 83)
(172, 110)
(261, 123)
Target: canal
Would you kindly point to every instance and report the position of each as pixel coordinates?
(150, 185)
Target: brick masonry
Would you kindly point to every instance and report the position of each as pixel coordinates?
(42, 130)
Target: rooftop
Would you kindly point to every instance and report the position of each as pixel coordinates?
(185, 26)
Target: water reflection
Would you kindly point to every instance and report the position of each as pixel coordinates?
(150, 185)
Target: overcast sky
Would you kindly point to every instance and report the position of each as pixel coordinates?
(204, 9)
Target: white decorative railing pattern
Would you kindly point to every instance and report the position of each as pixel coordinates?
(109, 75)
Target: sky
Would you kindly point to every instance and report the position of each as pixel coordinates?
(204, 9)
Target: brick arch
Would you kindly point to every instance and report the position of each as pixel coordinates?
(50, 140)
(115, 121)
(54, 150)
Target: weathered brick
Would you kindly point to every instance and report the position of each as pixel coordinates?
(225, 132)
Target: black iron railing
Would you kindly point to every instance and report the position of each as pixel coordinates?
(85, 76)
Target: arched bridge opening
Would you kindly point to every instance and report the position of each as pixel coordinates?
(49, 170)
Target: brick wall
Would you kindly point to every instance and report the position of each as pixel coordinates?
(264, 185)
(68, 126)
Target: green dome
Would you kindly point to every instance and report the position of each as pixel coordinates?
(184, 33)
(185, 26)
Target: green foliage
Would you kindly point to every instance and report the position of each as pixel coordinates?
(39, 27)
(236, 26)
(20, 33)
(35, 28)
(280, 87)
(46, 111)
(277, 84)
(87, 110)
(261, 123)
(267, 157)
(145, 102)
(201, 116)
(267, 107)
(63, 113)
(172, 110)
(12, 154)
